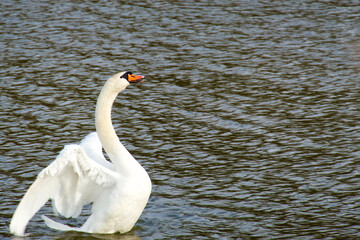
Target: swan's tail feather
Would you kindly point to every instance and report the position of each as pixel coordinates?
(58, 226)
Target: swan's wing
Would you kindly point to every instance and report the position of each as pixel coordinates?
(93, 148)
(72, 180)
(37, 195)
(80, 180)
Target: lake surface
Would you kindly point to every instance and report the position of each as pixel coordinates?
(247, 123)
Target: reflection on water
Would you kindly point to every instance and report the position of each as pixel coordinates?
(247, 122)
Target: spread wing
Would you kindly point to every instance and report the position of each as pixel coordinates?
(79, 174)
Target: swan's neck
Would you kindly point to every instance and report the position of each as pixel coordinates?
(119, 156)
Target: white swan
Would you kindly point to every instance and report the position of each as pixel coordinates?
(81, 175)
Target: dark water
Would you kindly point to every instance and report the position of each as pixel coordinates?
(248, 122)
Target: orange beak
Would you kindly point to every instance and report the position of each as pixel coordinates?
(134, 78)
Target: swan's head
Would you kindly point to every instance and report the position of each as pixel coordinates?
(123, 79)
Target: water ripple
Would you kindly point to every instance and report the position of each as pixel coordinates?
(247, 122)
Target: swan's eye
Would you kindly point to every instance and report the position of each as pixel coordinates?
(126, 75)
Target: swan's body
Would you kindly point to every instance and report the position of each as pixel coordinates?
(81, 175)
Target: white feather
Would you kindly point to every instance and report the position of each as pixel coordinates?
(58, 226)
(71, 181)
